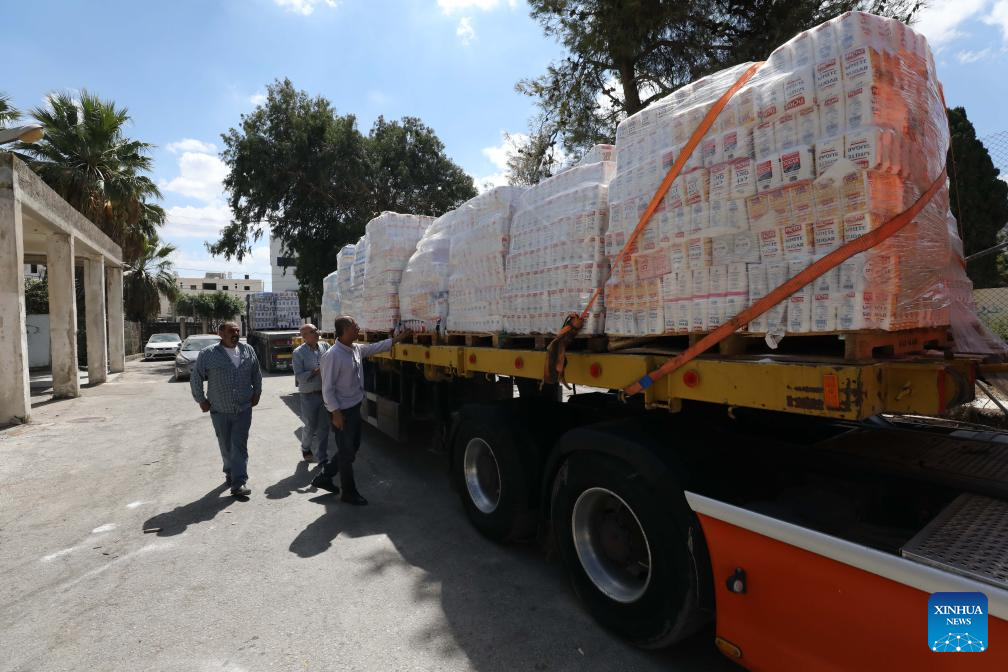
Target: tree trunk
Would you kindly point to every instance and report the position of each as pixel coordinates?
(631, 94)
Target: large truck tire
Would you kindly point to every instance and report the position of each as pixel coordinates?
(634, 551)
(495, 472)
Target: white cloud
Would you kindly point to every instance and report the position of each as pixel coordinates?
(452, 6)
(190, 145)
(200, 176)
(965, 57)
(304, 7)
(465, 31)
(498, 154)
(378, 98)
(257, 98)
(939, 22)
(205, 223)
(999, 17)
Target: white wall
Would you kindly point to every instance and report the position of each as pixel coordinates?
(38, 341)
(282, 282)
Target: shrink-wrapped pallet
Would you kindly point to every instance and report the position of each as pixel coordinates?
(423, 294)
(261, 310)
(556, 258)
(288, 310)
(331, 303)
(479, 245)
(391, 241)
(840, 130)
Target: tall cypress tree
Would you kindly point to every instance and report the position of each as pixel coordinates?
(979, 198)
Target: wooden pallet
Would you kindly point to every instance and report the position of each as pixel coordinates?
(471, 339)
(373, 336)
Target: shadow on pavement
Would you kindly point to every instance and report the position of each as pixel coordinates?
(293, 402)
(506, 607)
(178, 519)
(301, 477)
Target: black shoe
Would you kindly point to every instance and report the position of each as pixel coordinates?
(307, 456)
(325, 483)
(240, 491)
(227, 480)
(354, 498)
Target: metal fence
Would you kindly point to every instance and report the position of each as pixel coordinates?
(992, 304)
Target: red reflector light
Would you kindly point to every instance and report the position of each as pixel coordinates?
(691, 378)
(405, 352)
(426, 355)
(595, 370)
(472, 359)
(519, 362)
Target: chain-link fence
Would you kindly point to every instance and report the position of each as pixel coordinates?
(992, 304)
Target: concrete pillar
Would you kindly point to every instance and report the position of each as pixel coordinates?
(62, 315)
(15, 393)
(116, 323)
(94, 307)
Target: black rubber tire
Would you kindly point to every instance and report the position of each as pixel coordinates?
(514, 517)
(669, 609)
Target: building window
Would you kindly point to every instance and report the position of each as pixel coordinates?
(286, 262)
(34, 269)
(247, 288)
(225, 288)
(192, 286)
(209, 285)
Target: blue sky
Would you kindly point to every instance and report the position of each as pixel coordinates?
(188, 69)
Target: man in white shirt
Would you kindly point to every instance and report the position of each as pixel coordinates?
(342, 372)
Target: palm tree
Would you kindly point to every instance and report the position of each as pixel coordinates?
(87, 158)
(147, 278)
(8, 113)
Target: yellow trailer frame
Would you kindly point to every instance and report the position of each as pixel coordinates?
(829, 388)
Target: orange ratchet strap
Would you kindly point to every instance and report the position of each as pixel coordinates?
(831, 260)
(555, 359)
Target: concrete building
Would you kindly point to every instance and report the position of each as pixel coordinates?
(240, 286)
(39, 227)
(283, 263)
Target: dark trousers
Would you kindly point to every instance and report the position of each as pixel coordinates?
(347, 442)
(232, 431)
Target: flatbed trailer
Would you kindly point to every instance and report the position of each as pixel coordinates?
(806, 506)
(274, 348)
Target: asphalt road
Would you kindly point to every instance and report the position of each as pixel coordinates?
(289, 580)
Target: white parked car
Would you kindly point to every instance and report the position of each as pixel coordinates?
(162, 345)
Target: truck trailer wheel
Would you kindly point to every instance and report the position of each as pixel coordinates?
(492, 473)
(630, 560)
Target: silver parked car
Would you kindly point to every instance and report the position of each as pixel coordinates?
(162, 345)
(190, 350)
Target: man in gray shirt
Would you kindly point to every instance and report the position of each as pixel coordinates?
(342, 372)
(234, 385)
(314, 416)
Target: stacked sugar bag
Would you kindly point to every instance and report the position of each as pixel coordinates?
(391, 241)
(480, 233)
(261, 310)
(423, 294)
(556, 259)
(841, 129)
(331, 303)
(288, 310)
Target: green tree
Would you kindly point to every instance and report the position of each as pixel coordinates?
(87, 159)
(979, 199)
(210, 308)
(147, 278)
(624, 54)
(37, 296)
(315, 180)
(8, 113)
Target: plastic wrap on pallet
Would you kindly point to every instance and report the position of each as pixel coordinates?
(841, 129)
(479, 245)
(331, 303)
(391, 241)
(556, 260)
(423, 293)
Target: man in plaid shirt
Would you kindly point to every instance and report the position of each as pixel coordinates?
(234, 385)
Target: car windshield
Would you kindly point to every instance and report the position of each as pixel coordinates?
(165, 338)
(199, 343)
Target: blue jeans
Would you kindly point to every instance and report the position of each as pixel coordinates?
(232, 431)
(316, 423)
(347, 442)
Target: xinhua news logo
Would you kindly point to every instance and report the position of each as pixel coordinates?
(957, 622)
